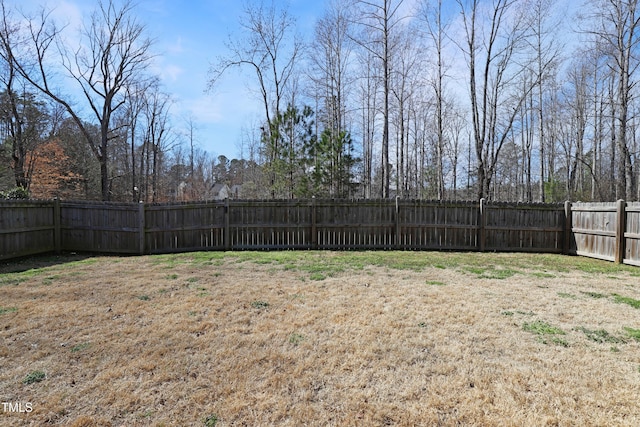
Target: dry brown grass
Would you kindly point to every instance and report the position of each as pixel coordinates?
(437, 340)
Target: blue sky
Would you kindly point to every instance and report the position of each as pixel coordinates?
(189, 36)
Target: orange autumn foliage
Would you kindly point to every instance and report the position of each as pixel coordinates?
(52, 175)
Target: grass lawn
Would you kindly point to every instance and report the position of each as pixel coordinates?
(319, 338)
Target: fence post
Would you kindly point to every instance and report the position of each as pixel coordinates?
(620, 229)
(397, 239)
(314, 227)
(482, 224)
(227, 231)
(57, 232)
(568, 225)
(141, 226)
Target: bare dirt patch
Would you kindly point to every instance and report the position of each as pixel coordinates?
(320, 338)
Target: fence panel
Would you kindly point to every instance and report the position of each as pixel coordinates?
(350, 224)
(632, 234)
(273, 224)
(26, 228)
(524, 227)
(594, 229)
(431, 225)
(99, 227)
(184, 227)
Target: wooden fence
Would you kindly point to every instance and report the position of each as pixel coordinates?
(609, 231)
(29, 227)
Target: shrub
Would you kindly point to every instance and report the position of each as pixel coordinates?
(15, 193)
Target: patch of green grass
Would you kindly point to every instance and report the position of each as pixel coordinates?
(626, 300)
(599, 335)
(296, 338)
(566, 295)
(144, 297)
(4, 310)
(172, 276)
(507, 313)
(633, 333)
(317, 276)
(542, 275)
(540, 327)
(526, 313)
(491, 272)
(211, 421)
(260, 304)
(19, 277)
(80, 347)
(595, 295)
(34, 377)
(193, 279)
(50, 279)
(435, 283)
(546, 333)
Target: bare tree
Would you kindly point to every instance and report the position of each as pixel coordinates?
(496, 98)
(380, 18)
(113, 53)
(616, 25)
(269, 47)
(436, 28)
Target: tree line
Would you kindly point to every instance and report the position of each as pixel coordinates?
(519, 100)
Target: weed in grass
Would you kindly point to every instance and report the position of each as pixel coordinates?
(491, 272)
(599, 335)
(49, 280)
(435, 283)
(80, 347)
(260, 304)
(507, 313)
(633, 333)
(526, 313)
(547, 334)
(595, 295)
(614, 349)
(144, 297)
(296, 338)
(540, 327)
(211, 421)
(172, 276)
(4, 310)
(422, 324)
(566, 295)
(626, 300)
(34, 377)
(542, 275)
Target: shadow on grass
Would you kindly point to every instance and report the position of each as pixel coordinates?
(20, 265)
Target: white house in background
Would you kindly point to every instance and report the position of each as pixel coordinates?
(236, 191)
(220, 191)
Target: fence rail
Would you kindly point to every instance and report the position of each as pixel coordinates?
(606, 231)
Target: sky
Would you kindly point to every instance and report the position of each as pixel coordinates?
(189, 36)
